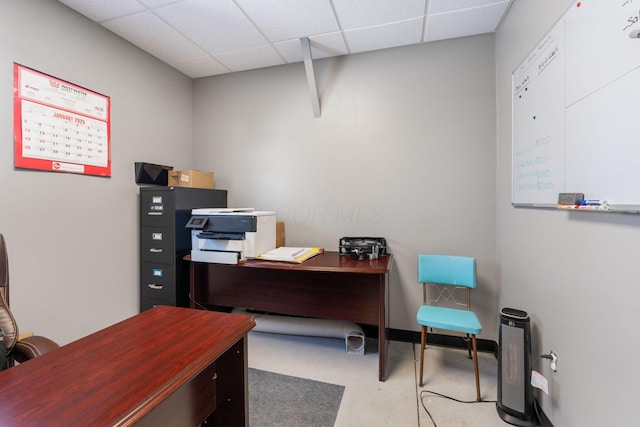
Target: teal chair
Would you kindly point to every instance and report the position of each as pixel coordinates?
(443, 273)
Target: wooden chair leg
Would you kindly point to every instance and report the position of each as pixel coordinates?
(468, 340)
(475, 363)
(423, 342)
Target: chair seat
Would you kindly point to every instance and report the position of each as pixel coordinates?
(449, 318)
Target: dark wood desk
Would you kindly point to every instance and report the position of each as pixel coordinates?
(167, 366)
(328, 286)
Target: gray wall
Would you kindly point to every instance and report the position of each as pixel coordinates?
(576, 275)
(73, 240)
(387, 158)
(404, 149)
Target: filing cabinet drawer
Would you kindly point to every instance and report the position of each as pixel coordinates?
(164, 240)
(157, 209)
(147, 303)
(157, 244)
(158, 282)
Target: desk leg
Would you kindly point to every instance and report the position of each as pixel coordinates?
(383, 323)
(232, 404)
(381, 352)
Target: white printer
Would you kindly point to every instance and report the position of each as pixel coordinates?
(228, 235)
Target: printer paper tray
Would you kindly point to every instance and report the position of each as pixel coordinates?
(215, 256)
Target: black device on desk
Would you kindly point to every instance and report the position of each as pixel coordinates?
(361, 247)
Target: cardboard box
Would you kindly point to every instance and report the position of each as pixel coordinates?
(279, 234)
(191, 178)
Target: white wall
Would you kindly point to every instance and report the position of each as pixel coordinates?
(576, 274)
(73, 240)
(404, 149)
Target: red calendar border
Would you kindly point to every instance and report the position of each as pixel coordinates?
(54, 165)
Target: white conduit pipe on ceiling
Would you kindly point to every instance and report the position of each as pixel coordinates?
(352, 334)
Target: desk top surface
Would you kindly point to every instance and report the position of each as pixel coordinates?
(117, 374)
(325, 262)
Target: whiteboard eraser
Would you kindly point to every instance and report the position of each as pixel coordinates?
(570, 198)
(635, 34)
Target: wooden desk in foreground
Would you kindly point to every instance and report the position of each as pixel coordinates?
(327, 286)
(167, 366)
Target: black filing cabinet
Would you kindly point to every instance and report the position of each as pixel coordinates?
(164, 241)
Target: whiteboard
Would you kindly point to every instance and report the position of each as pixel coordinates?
(576, 108)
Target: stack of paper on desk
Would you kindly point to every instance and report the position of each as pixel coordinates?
(290, 254)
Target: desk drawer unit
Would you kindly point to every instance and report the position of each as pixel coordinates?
(181, 408)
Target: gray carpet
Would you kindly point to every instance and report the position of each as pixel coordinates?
(283, 401)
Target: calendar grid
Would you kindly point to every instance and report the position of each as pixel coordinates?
(59, 126)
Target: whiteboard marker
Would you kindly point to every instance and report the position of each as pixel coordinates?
(593, 207)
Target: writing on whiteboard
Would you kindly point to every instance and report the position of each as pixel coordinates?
(531, 170)
(547, 60)
(522, 83)
(574, 113)
(633, 19)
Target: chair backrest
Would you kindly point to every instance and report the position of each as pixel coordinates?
(449, 270)
(7, 322)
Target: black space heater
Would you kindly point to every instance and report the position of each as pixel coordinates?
(515, 393)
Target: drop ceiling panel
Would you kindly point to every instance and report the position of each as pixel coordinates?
(328, 45)
(201, 67)
(442, 6)
(148, 32)
(220, 36)
(288, 19)
(100, 10)
(384, 36)
(156, 3)
(479, 20)
(215, 26)
(322, 46)
(258, 57)
(354, 14)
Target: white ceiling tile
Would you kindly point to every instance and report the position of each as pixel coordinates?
(327, 45)
(100, 10)
(210, 37)
(258, 57)
(290, 19)
(156, 3)
(322, 46)
(201, 67)
(151, 34)
(353, 14)
(216, 26)
(477, 21)
(290, 50)
(385, 36)
(443, 6)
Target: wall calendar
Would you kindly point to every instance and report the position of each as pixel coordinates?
(59, 126)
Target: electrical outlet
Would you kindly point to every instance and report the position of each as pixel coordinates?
(553, 361)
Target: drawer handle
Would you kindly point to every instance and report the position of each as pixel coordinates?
(154, 286)
(155, 250)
